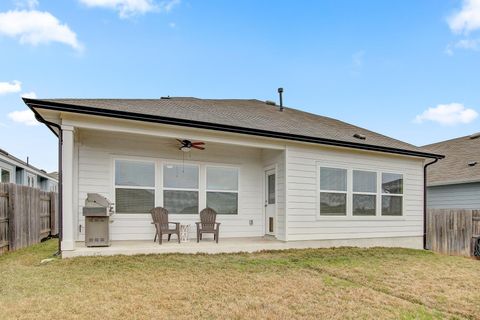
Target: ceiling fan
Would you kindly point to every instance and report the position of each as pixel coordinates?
(187, 145)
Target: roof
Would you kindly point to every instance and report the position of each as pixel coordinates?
(455, 167)
(236, 115)
(20, 163)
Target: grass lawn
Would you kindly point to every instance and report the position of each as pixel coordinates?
(344, 283)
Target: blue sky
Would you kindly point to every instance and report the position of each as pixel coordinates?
(376, 64)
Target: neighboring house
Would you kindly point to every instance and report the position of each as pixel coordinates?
(266, 169)
(454, 182)
(14, 170)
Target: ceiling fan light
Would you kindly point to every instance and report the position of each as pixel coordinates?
(185, 149)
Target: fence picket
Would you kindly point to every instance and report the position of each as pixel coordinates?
(452, 231)
(27, 215)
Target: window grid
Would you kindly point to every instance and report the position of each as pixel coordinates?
(379, 194)
(207, 190)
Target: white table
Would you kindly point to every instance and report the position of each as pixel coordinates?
(184, 229)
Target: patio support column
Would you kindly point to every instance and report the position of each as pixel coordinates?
(68, 223)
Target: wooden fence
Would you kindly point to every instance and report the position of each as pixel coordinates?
(27, 215)
(453, 231)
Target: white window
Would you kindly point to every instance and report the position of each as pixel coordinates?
(364, 198)
(222, 189)
(180, 188)
(31, 180)
(5, 175)
(134, 186)
(333, 191)
(392, 194)
(358, 193)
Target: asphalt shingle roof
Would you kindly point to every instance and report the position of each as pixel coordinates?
(454, 168)
(243, 113)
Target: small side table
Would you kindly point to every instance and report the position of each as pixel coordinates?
(184, 228)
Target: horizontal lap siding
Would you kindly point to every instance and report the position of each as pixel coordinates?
(458, 196)
(302, 220)
(95, 174)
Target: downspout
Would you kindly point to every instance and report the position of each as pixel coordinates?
(60, 178)
(425, 202)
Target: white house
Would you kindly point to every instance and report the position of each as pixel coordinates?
(266, 169)
(14, 170)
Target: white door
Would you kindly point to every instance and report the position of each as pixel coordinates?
(270, 202)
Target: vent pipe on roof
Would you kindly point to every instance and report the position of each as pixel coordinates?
(280, 92)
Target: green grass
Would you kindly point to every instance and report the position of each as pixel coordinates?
(342, 283)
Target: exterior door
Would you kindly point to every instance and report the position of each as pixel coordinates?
(270, 202)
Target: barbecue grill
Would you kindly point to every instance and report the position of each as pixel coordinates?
(97, 211)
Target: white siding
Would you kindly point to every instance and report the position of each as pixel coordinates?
(302, 220)
(460, 196)
(96, 151)
(277, 159)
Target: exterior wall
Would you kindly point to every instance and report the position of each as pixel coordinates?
(7, 166)
(303, 223)
(276, 159)
(459, 196)
(95, 152)
(18, 175)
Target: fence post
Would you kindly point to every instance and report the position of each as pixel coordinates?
(12, 233)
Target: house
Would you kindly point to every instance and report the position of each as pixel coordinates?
(14, 170)
(267, 170)
(455, 181)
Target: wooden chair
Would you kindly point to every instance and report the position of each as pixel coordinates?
(162, 226)
(207, 224)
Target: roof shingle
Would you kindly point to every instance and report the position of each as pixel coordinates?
(252, 114)
(454, 168)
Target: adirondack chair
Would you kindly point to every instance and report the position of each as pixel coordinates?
(162, 226)
(207, 224)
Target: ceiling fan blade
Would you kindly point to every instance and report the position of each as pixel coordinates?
(179, 140)
(199, 143)
(197, 147)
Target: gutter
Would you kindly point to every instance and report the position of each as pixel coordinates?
(50, 105)
(425, 202)
(60, 180)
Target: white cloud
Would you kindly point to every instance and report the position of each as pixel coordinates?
(30, 95)
(448, 114)
(25, 117)
(172, 25)
(167, 6)
(10, 87)
(467, 19)
(466, 44)
(28, 4)
(36, 27)
(129, 8)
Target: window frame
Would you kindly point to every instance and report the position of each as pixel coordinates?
(206, 166)
(349, 205)
(319, 191)
(376, 194)
(402, 195)
(9, 174)
(164, 163)
(115, 186)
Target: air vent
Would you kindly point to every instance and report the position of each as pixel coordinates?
(359, 136)
(472, 163)
(270, 102)
(475, 135)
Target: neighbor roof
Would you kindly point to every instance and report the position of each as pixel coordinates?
(455, 167)
(11, 159)
(234, 115)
